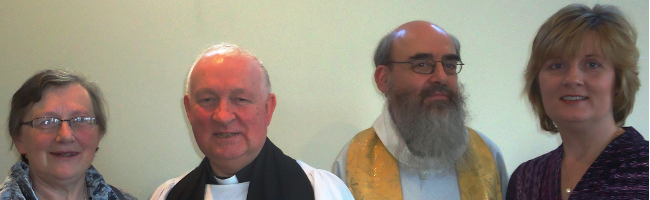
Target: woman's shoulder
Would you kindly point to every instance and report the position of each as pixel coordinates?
(100, 189)
(626, 154)
(631, 140)
(10, 190)
(537, 169)
(531, 178)
(628, 148)
(11, 187)
(539, 163)
(622, 164)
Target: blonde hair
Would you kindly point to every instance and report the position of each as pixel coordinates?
(561, 35)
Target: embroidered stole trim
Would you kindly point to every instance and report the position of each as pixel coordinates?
(373, 173)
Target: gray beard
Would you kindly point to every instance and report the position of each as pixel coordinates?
(434, 135)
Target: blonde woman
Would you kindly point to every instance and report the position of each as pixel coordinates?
(581, 79)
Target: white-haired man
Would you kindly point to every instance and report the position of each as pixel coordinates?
(229, 104)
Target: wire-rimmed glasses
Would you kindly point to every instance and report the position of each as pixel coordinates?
(451, 67)
(51, 124)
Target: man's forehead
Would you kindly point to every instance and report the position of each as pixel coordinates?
(216, 51)
(418, 27)
(423, 47)
(225, 62)
(217, 57)
(218, 68)
(419, 35)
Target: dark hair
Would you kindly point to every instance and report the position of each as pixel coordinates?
(561, 35)
(32, 91)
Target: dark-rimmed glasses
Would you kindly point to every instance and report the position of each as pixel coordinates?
(81, 123)
(451, 67)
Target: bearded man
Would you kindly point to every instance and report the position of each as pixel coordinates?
(419, 147)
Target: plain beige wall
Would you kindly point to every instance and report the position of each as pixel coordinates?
(318, 54)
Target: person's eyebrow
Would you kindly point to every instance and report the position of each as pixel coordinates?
(251, 96)
(237, 91)
(74, 113)
(451, 57)
(77, 113)
(593, 56)
(204, 91)
(421, 56)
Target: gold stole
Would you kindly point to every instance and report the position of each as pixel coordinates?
(373, 173)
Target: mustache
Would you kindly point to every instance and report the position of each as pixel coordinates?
(438, 88)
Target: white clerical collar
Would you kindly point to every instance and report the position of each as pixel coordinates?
(388, 134)
(228, 181)
(237, 191)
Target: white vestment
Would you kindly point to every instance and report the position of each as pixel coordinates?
(434, 186)
(325, 184)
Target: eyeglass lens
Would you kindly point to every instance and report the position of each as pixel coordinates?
(76, 123)
(450, 67)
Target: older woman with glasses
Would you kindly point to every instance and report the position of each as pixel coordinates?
(582, 79)
(56, 122)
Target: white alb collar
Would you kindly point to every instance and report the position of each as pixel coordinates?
(388, 133)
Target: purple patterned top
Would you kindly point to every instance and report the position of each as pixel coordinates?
(619, 172)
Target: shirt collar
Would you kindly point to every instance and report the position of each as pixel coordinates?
(388, 134)
(228, 181)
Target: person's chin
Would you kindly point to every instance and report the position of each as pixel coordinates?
(228, 153)
(572, 118)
